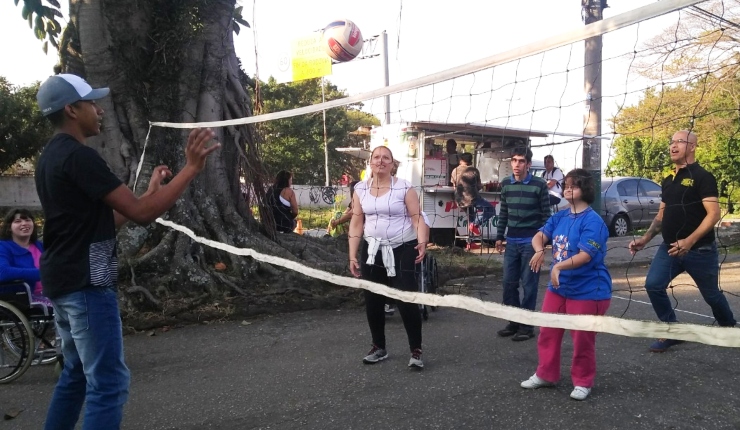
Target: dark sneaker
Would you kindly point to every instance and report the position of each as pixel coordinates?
(415, 361)
(662, 345)
(509, 330)
(375, 355)
(523, 335)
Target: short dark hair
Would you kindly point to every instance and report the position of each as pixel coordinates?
(451, 142)
(522, 152)
(582, 179)
(282, 179)
(7, 234)
(549, 157)
(56, 118)
(467, 157)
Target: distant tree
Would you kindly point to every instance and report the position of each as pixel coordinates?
(697, 66)
(297, 144)
(23, 131)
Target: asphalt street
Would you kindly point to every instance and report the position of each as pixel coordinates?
(304, 370)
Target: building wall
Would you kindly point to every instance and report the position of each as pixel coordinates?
(312, 196)
(19, 191)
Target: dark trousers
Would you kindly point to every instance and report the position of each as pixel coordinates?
(405, 280)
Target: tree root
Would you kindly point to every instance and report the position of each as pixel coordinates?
(138, 289)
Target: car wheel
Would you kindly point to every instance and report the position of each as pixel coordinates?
(620, 225)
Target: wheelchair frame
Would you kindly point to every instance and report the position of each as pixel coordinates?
(24, 329)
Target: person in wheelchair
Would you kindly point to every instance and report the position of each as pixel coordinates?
(20, 251)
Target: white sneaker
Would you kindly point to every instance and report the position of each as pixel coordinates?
(535, 382)
(415, 361)
(580, 393)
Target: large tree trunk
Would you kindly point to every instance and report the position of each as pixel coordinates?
(174, 61)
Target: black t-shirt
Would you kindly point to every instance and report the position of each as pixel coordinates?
(684, 211)
(80, 233)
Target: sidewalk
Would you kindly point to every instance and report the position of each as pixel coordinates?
(618, 254)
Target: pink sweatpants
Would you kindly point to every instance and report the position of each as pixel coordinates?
(549, 343)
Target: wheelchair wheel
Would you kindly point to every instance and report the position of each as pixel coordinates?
(16, 343)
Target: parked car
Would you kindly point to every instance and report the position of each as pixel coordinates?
(628, 203)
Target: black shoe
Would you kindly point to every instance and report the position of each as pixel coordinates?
(523, 335)
(507, 331)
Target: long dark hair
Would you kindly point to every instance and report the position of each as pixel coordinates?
(282, 180)
(7, 234)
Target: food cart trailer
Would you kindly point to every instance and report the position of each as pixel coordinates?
(419, 148)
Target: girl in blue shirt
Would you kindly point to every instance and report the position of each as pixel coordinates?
(579, 283)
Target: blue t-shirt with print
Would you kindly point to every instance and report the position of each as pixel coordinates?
(573, 233)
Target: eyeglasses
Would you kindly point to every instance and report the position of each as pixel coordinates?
(679, 141)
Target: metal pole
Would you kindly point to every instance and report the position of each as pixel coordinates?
(326, 141)
(592, 12)
(386, 79)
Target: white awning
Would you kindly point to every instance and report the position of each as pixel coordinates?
(356, 152)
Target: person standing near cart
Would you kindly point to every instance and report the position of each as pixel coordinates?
(525, 207)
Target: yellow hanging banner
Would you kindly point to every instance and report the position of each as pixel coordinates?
(309, 58)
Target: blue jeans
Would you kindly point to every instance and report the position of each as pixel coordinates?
(89, 324)
(516, 268)
(476, 218)
(702, 264)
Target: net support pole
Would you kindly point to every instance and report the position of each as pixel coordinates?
(326, 140)
(386, 76)
(592, 11)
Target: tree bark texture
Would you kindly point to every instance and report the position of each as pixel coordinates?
(167, 60)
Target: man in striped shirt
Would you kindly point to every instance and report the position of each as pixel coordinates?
(525, 206)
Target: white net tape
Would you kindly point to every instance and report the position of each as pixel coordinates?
(720, 336)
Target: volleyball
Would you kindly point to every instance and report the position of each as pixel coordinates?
(342, 40)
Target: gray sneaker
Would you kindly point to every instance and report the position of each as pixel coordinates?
(415, 361)
(375, 355)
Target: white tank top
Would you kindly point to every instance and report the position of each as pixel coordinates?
(386, 216)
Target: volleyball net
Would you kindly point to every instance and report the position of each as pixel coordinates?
(667, 66)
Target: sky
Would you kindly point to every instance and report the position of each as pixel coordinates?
(424, 37)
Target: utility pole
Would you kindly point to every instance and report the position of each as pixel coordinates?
(386, 80)
(592, 11)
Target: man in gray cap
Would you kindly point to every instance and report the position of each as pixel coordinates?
(84, 203)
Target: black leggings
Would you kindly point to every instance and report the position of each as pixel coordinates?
(405, 280)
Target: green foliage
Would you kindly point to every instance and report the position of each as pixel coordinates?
(238, 19)
(297, 144)
(43, 20)
(23, 131)
(708, 106)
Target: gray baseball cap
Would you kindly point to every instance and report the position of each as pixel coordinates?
(61, 90)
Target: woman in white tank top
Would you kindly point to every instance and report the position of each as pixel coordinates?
(386, 214)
